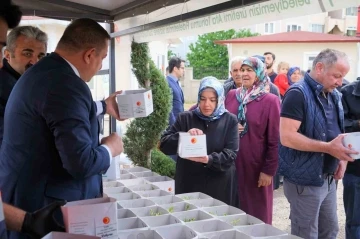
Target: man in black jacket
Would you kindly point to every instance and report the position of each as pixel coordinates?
(351, 180)
(25, 46)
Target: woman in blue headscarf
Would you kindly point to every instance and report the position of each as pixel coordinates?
(215, 173)
(294, 75)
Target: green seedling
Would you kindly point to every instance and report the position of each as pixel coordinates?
(235, 222)
(186, 198)
(189, 220)
(187, 207)
(225, 214)
(171, 209)
(153, 213)
(213, 213)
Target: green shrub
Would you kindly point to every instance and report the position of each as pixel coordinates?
(143, 134)
(162, 164)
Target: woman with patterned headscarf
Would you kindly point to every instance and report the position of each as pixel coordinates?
(258, 114)
(214, 174)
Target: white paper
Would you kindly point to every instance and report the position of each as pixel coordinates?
(135, 103)
(113, 171)
(352, 140)
(95, 217)
(192, 146)
(63, 235)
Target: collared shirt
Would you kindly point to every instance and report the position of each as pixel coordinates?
(98, 106)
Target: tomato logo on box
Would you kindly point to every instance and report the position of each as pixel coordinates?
(106, 220)
(193, 140)
(138, 103)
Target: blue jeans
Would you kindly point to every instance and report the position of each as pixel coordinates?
(352, 205)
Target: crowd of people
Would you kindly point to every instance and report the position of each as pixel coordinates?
(258, 124)
(289, 123)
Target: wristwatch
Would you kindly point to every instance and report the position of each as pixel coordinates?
(104, 106)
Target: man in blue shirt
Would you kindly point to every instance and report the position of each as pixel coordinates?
(176, 71)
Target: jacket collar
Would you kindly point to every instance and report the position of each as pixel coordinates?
(173, 78)
(6, 67)
(314, 85)
(356, 91)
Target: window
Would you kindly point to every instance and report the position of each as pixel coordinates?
(309, 58)
(269, 28)
(351, 31)
(293, 27)
(317, 28)
(351, 11)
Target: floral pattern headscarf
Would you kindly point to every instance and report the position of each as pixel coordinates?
(213, 83)
(245, 96)
(290, 72)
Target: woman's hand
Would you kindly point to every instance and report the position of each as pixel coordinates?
(240, 128)
(195, 131)
(204, 159)
(264, 180)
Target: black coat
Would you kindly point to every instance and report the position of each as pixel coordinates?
(217, 178)
(8, 78)
(351, 103)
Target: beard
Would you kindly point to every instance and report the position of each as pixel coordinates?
(270, 65)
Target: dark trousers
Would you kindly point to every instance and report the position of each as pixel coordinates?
(352, 205)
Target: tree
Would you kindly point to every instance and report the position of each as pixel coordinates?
(170, 54)
(143, 134)
(208, 58)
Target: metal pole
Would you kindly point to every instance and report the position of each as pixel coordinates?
(112, 77)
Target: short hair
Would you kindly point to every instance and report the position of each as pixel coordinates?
(283, 64)
(270, 53)
(329, 57)
(28, 32)
(10, 13)
(174, 62)
(236, 59)
(83, 34)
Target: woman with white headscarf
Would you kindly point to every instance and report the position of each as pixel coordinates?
(214, 174)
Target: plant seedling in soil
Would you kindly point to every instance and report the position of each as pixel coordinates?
(187, 207)
(186, 198)
(189, 220)
(235, 222)
(153, 213)
(171, 209)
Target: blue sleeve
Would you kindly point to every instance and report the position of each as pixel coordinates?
(67, 113)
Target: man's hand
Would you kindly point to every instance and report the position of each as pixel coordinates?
(264, 180)
(340, 171)
(41, 222)
(195, 131)
(112, 106)
(115, 144)
(338, 150)
(204, 159)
